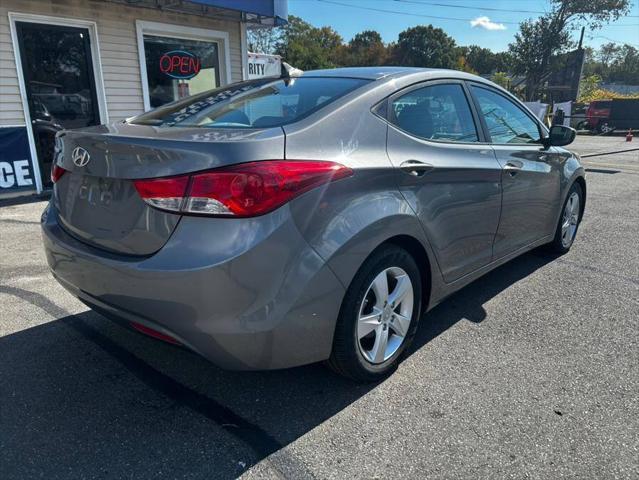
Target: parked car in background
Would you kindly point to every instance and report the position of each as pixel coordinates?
(598, 116)
(283, 221)
(606, 116)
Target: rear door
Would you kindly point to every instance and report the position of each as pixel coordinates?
(530, 172)
(450, 176)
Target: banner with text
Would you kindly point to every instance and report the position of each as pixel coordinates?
(261, 65)
(16, 170)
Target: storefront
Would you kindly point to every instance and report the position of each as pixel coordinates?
(77, 63)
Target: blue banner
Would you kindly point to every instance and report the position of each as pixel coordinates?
(275, 9)
(16, 169)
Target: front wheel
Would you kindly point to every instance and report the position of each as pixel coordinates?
(568, 221)
(378, 317)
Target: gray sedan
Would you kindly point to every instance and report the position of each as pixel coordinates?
(311, 217)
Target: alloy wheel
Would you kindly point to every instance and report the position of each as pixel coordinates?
(385, 315)
(570, 220)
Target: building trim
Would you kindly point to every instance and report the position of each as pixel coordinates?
(97, 73)
(178, 31)
(244, 50)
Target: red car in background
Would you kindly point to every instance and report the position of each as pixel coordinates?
(598, 116)
(606, 116)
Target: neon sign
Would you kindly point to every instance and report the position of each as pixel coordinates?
(180, 64)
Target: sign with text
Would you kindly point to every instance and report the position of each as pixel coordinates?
(261, 65)
(180, 64)
(16, 172)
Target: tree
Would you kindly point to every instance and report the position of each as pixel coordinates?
(625, 65)
(538, 41)
(306, 47)
(425, 46)
(607, 53)
(588, 87)
(262, 39)
(463, 66)
(365, 49)
(502, 79)
(483, 60)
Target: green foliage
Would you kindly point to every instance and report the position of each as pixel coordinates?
(539, 40)
(502, 79)
(614, 63)
(365, 49)
(591, 90)
(587, 87)
(485, 61)
(262, 39)
(307, 47)
(424, 46)
(462, 65)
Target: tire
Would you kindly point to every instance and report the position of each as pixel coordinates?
(354, 354)
(560, 245)
(605, 128)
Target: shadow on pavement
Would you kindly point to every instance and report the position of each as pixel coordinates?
(83, 397)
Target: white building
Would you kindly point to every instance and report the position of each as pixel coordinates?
(76, 63)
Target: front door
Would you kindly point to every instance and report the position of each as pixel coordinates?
(450, 177)
(57, 68)
(530, 175)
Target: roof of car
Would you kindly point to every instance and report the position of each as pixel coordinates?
(376, 73)
(369, 73)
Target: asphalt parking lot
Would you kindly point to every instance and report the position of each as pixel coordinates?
(530, 372)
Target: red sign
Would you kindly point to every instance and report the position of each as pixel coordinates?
(180, 64)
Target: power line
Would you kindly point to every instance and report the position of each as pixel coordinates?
(469, 7)
(481, 8)
(396, 12)
(615, 41)
(457, 19)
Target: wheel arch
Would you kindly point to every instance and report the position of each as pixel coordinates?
(581, 181)
(416, 249)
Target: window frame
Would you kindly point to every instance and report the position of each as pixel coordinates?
(180, 32)
(543, 132)
(384, 111)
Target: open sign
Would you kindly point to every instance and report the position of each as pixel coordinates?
(180, 64)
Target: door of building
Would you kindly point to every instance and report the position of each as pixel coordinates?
(59, 81)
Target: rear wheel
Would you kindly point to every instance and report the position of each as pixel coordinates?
(378, 317)
(605, 128)
(568, 221)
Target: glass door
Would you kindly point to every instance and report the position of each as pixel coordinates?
(57, 68)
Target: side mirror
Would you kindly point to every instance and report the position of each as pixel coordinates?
(560, 136)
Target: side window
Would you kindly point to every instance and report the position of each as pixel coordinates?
(506, 122)
(438, 112)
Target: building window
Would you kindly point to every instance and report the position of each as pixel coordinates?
(177, 68)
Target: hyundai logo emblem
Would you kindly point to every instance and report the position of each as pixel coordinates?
(80, 156)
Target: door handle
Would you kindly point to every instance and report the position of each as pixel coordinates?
(513, 167)
(415, 167)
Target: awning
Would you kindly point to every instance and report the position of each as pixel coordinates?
(261, 11)
(265, 12)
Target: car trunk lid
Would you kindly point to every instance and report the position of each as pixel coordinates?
(96, 198)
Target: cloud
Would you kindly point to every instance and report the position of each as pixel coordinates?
(486, 24)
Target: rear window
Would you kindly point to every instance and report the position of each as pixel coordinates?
(254, 104)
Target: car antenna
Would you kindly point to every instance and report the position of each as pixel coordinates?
(289, 72)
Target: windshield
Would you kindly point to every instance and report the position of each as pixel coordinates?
(254, 104)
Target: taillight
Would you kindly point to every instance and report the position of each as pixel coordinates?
(243, 190)
(56, 172)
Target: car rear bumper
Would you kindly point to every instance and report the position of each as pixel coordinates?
(244, 293)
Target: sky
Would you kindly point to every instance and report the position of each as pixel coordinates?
(488, 23)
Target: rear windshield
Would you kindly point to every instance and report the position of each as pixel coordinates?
(254, 104)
